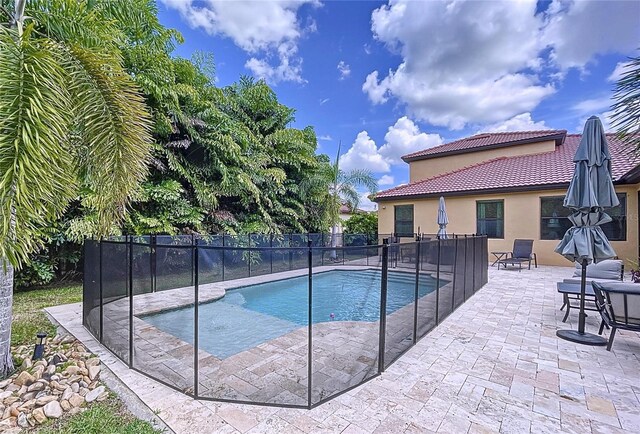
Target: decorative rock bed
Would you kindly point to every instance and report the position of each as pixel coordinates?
(64, 381)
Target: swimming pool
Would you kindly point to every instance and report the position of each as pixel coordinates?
(248, 316)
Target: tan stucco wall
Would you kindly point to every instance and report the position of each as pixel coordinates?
(423, 169)
(521, 220)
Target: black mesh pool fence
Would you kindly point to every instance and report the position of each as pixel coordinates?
(284, 320)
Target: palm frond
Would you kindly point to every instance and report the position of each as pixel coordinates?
(37, 177)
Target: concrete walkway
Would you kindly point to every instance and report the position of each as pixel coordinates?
(494, 365)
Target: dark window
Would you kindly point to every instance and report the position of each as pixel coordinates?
(403, 220)
(490, 218)
(554, 222)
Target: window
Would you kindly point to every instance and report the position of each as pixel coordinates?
(490, 218)
(403, 220)
(554, 222)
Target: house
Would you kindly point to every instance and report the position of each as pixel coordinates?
(508, 185)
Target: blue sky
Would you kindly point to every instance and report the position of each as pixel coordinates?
(389, 78)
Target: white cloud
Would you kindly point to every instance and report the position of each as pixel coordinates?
(363, 154)
(401, 138)
(365, 203)
(404, 138)
(325, 138)
(386, 180)
(468, 62)
(324, 101)
(268, 28)
(589, 106)
(521, 122)
(344, 69)
(578, 30)
(620, 69)
(605, 118)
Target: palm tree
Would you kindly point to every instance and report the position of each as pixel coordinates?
(626, 109)
(343, 189)
(70, 119)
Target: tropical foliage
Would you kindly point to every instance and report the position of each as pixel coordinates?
(72, 122)
(362, 223)
(221, 160)
(626, 109)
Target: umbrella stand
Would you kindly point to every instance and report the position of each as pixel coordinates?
(579, 336)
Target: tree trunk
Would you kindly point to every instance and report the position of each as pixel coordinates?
(334, 241)
(6, 302)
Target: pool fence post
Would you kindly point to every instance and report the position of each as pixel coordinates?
(310, 329)
(383, 304)
(100, 288)
(473, 281)
(438, 279)
(249, 254)
(290, 253)
(415, 300)
(464, 281)
(271, 251)
(196, 343)
(154, 261)
(130, 288)
(455, 267)
(223, 255)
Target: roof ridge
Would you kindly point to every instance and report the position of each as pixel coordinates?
(484, 135)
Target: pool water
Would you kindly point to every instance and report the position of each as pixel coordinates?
(248, 316)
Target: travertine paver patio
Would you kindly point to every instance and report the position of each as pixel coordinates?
(494, 365)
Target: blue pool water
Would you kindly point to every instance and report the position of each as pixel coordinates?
(251, 315)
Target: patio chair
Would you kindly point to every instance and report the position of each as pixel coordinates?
(619, 306)
(522, 252)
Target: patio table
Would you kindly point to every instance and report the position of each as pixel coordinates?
(571, 291)
(498, 256)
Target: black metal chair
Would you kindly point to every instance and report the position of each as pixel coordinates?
(522, 252)
(619, 306)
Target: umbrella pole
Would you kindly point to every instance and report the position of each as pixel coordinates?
(583, 290)
(579, 336)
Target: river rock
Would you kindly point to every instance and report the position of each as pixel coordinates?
(36, 387)
(27, 396)
(44, 400)
(83, 384)
(93, 372)
(83, 391)
(94, 361)
(91, 396)
(22, 420)
(24, 379)
(26, 364)
(10, 400)
(51, 369)
(4, 395)
(66, 394)
(76, 400)
(38, 415)
(75, 387)
(5, 383)
(53, 410)
(66, 406)
(27, 406)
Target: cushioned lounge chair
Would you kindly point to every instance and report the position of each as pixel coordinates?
(609, 270)
(522, 252)
(619, 306)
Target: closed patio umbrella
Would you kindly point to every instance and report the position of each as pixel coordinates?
(443, 220)
(590, 192)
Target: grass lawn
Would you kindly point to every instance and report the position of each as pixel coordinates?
(28, 317)
(110, 416)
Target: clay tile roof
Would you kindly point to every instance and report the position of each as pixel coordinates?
(511, 173)
(487, 140)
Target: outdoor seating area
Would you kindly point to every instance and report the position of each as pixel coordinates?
(494, 364)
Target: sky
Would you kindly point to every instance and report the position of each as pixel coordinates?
(383, 79)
